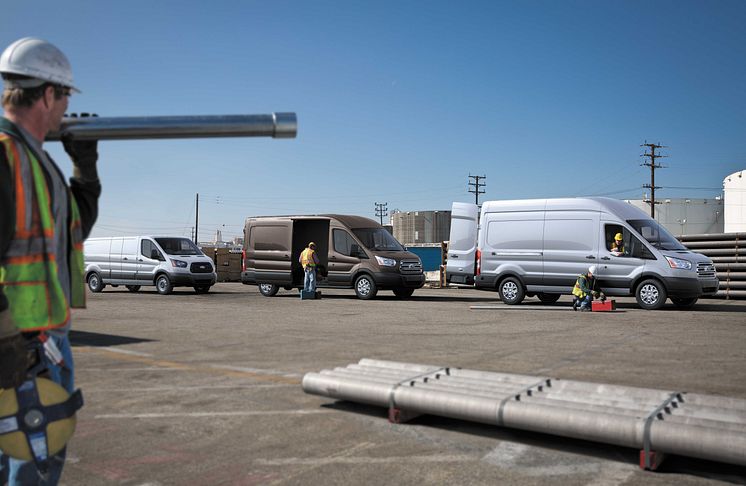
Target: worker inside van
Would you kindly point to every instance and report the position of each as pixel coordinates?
(615, 239)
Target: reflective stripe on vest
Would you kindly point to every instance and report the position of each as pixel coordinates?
(28, 271)
(306, 258)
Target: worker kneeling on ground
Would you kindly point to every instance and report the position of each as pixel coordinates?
(309, 260)
(584, 291)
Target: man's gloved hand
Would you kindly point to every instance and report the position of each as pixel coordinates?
(14, 361)
(84, 154)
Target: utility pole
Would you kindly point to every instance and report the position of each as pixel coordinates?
(652, 156)
(196, 220)
(381, 210)
(476, 186)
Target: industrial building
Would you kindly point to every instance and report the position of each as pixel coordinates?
(734, 187)
(687, 216)
(421, 227)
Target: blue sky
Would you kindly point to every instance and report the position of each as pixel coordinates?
(399, 101)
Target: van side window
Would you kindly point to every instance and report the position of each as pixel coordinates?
(637, 249)
(147, 247)
(269, 238)
(343, 242)
(610, 233)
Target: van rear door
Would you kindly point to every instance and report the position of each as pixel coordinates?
(462, 247)
(268, 251)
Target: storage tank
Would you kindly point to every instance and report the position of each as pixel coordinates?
(734, 187)
(686, 216)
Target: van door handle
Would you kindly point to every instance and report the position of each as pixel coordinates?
(605, 258)
(454, 256)
(332, 257)
(590, 257)
(139, 259)
(124, 258)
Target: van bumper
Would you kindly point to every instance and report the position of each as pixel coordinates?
(180, 280)
(396, 280)
(691, 287)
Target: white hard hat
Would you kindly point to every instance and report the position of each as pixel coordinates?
(592, 269)
(37, 59)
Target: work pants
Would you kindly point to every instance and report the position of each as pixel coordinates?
(309, 280)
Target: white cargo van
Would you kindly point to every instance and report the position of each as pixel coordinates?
(539, 247)
(134, 261)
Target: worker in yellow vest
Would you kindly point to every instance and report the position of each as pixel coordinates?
(43, 222)
(309, 260)
(585, 290)
(617, 248)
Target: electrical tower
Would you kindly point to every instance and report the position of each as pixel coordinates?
(382, 210)
(475, 187)
(653, 165)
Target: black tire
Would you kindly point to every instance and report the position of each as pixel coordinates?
(163, 284)
(95, 283)
(650, 294)
(548, 298)
(684, 302)
(133, 288)
(403, 292)
(511, 291)
(268, 290)
(201, 289)
(365, 287)
(288, 287)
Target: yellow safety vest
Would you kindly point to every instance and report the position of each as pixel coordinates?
(28, 270)
(306, 258)
(576, 291)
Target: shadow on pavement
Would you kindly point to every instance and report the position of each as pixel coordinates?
(671, 465)
(94, 339)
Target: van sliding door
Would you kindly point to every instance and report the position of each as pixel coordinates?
(570, 246)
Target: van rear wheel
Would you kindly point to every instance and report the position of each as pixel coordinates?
(651, 294)
(95, 283)
(548, 298)
(268, 290)
(511, 291)
(163, 284)
(365, 287)
(133, 288)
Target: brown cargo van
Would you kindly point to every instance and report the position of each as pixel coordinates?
(354, 252)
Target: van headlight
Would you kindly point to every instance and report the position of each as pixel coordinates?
(386, 262)
(178, 263)
(679, 263)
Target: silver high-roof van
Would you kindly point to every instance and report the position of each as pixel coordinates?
(134, 261)
(354, 252)
(540, 246)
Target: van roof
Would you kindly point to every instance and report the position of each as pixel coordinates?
(621, 209)
(348, 220)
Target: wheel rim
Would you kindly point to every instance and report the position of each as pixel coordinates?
(363, 286)
(649, 294)
(266, 288)
(162, 284)
(93, 281)
(510, 290)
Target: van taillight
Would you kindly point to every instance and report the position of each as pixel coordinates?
(243, 260)
(479, 263)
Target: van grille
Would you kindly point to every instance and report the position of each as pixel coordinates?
(200, 267)
(410, 267)
(705, 270)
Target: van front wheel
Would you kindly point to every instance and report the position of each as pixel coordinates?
(95, 283)
(365, 287)
(163, 284)
(268, 290)
(650, 294)
(511, 291)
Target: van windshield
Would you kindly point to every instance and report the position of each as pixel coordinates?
(656, 234)
(178, 246)
(377, 239)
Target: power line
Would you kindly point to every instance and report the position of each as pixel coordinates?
(476, 186)
(382, 210)
(652, 156)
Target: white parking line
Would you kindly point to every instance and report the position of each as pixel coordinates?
(323, 461)
(247, 413)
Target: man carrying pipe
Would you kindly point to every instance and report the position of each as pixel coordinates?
(43, 222)
(584, 291)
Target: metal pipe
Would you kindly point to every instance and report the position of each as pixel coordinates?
(275, 125)
(701, 426)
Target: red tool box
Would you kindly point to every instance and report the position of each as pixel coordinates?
(605, 306)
